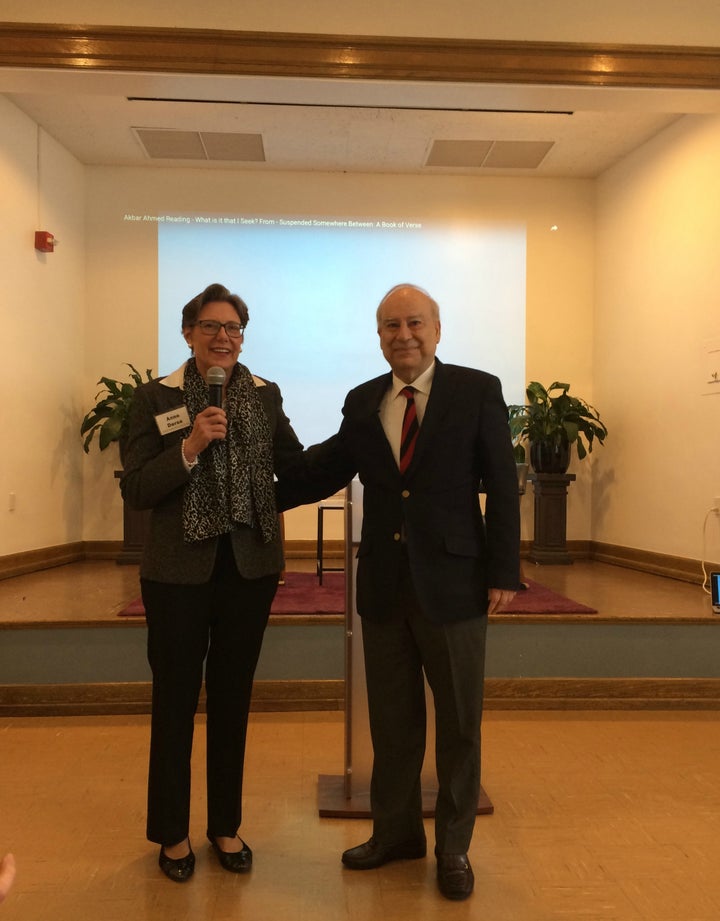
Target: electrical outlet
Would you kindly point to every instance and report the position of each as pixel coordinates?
(11, 502)
(716, 503)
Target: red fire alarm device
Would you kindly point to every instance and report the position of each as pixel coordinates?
(44, 241)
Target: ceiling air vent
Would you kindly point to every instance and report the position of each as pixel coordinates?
(166, 144)
(495, 154)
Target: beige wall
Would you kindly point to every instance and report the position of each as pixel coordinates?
(122, 282)
(621, 299)
(43, 323)
(658, 22)
(658, 303)
(629, 318)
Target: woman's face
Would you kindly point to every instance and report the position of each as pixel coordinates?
(219, 350)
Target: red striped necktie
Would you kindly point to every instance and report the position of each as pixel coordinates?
(410, 429)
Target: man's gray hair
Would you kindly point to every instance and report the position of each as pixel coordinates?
(434, 306)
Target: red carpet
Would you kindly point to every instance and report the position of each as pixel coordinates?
(537, 599)
(301, 594)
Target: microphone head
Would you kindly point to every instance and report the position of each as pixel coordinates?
(216, 376)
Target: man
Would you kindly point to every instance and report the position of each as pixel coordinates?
(430, 568)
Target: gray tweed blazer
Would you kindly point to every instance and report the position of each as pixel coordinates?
(155, 476)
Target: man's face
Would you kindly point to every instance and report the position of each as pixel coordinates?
(409, 332)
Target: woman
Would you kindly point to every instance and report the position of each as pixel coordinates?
(210, 567)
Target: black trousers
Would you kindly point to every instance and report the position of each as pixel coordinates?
(452, 657)
(219, 624)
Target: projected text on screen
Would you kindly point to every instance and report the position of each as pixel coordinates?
(313, 283)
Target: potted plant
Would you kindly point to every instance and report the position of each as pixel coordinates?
(109, 416)
(553, 421)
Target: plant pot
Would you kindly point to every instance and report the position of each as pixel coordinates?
(522, 474)
(550, 457)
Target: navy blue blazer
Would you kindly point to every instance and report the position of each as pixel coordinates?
(433, 512)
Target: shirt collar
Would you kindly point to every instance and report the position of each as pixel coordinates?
(175, 378)
(422, 383)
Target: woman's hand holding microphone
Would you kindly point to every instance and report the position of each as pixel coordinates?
(210, 425)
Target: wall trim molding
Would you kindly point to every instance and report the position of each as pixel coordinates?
(659, 564)
(29, 561)
(102, 549)
(284, 54)
(305, 695)
(20, 564)
(307, 549)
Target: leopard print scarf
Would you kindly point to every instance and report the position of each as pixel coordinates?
(233, 483)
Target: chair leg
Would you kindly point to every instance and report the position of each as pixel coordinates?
(320, 545)
(281, 521)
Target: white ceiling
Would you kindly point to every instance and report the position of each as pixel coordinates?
(347, 125)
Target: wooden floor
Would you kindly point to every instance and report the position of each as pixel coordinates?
(599, 816)
(611, 816)
(94, 593)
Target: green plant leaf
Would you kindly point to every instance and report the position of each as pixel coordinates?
(108, 418)
(109, 432)
(554, 416)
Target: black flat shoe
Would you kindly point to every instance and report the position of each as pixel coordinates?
(235, 862)
(180, 870)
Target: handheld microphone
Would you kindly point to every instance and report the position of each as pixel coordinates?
(216, 379)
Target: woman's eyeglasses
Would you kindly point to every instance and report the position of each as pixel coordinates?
(213, 327)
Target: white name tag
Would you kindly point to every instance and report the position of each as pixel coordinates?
(175, 419)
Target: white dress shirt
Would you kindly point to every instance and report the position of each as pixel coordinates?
(392, 407)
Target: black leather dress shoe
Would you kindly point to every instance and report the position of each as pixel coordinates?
(455, 876)
(373, 854)
(178, 870)
(236, 861)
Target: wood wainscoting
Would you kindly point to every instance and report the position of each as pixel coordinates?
(306, 695)
(135, 696)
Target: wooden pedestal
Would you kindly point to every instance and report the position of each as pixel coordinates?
(135, 526)
(549, 539)
(134, 530)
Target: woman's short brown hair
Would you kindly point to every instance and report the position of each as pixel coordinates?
(214, 292)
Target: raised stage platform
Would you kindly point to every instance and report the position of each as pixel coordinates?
(63, 649)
